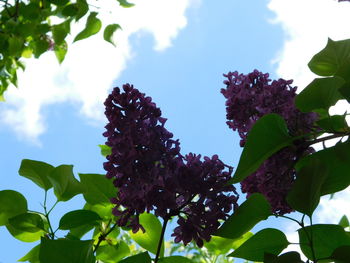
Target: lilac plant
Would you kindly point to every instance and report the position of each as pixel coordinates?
(248, 98)
(152, 175)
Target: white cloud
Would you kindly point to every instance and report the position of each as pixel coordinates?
(307, 25)
(90, 67)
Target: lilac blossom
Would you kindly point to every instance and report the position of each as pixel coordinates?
(248, 98)
(152, 176)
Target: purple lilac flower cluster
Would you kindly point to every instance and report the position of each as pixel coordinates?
(152, 175)
(248, 98)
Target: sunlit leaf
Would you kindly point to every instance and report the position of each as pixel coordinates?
(125, 3)
(92, 27)
(24, 235)
(150, 239)
(99, 189)
(105, 150)
(27, 222)
(37, 172)
(61, 51)
(114, 253)
(12, 203)
(344, 222)
(109, 33)
(64, 183)
(103, 210)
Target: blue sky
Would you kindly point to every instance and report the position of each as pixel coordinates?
(175, 52)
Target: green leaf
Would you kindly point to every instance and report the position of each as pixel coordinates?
(103, 210)
(306, 190)
(61, 51)
(326, 238)
(125, 3)
(175, 259)
(77, 218)
(111, 239)
(336, 159)
(64, 183)
(239, 241)
(139, 258)
(37, 172)
(27, 222)
(67, 251)
(268, 136)
(109, 33)
(344, 222)
(58, 2)
(83, 8)
(105, 150)
(99, 189)
(149, 240)
(40, 46)
(248, 214)
(27, 52)
(289, 257)
(79, 231)
(24, 235)
(32, 256)
(92, 27)
(335, 123)
(12, 203)
(330, 59)
(16, 45)
(268, 240)
(60, 31)
(219, 245)
(113, 254)
(321, 93)
(341, 254)
(70, 10)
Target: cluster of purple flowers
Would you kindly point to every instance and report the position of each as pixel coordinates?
(248, 98)
(152, 175)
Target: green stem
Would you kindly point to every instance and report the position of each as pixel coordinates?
(161, 239)
(290, 218)
(312, 242)
(53, 207)
(104, 235)
(52, 233)
(333, 136)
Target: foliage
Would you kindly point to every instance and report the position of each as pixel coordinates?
(148, 174)
(32, 27)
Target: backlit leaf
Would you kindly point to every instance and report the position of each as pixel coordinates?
(92, 27)
(267, 136)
